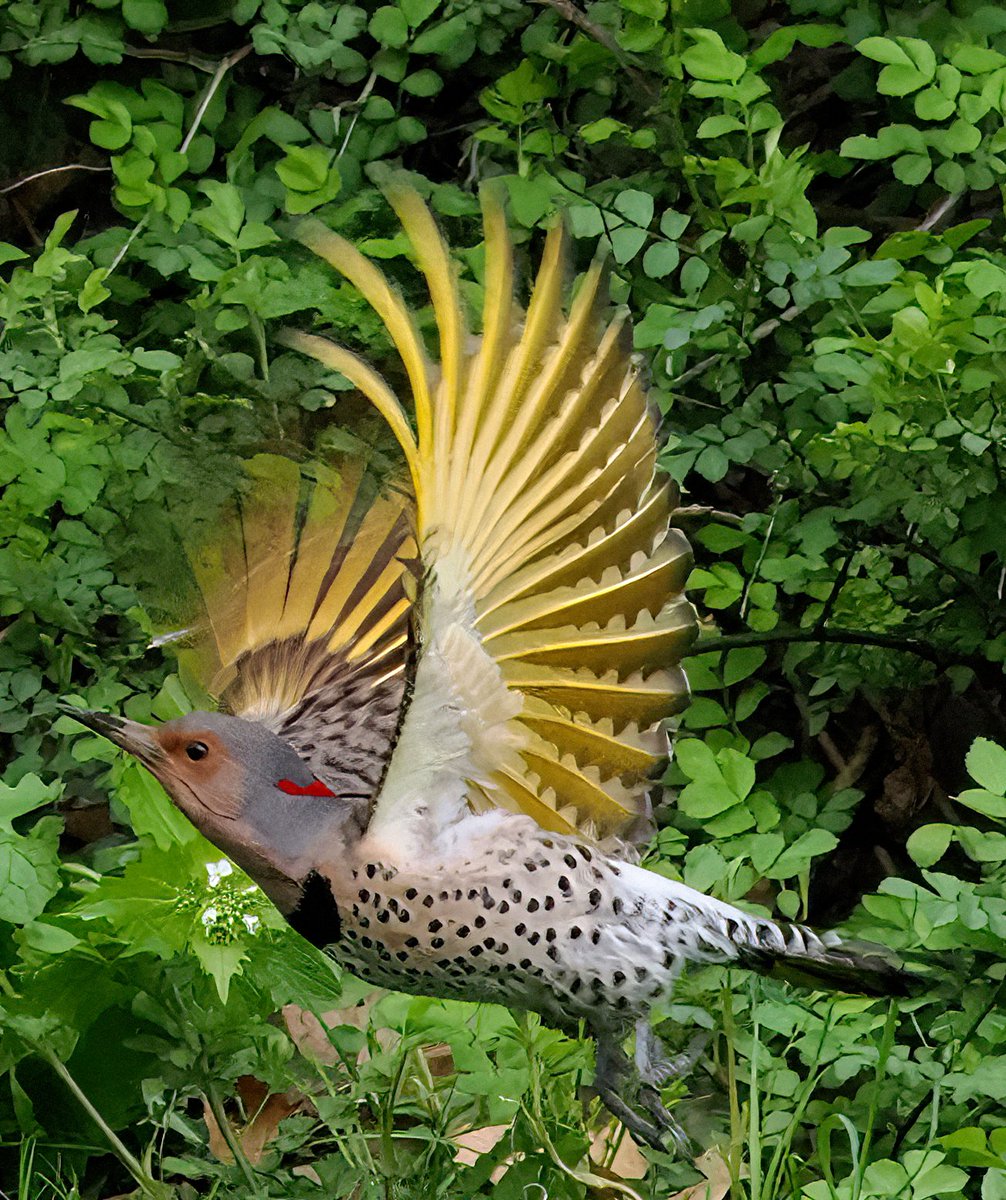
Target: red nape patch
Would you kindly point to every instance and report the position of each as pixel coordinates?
(314, 788)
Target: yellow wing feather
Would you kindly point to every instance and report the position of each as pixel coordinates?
(293, 591)
(534, 468)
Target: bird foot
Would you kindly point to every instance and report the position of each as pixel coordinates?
(672, 1130)
(654, 1067)
(638, 1126)
(613, 1075)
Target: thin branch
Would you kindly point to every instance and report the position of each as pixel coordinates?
(199, 61)
(938, 212)
(845, 637)
(223, 67)
(836, 587)
(569, 12)
(20, 183)
(849, 775)
(758, 334)
(696, 512)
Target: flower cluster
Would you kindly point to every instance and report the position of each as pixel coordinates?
(230, 909)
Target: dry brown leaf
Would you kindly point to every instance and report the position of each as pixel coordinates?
(307, 1172)
(308, 1032)
(266, 1113)
(716, 1184)
(439, 1059)
(475, 1142)
(628, 1162)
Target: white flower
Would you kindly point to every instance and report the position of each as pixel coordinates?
(218, 870)
(251, 922)
(209, 916)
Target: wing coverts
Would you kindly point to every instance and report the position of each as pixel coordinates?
(533, 467)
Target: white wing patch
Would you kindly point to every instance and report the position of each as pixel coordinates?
(458, 729)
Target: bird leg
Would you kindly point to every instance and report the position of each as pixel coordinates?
(613, 1071)
(654, 1067)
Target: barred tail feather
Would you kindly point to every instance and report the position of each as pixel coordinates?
(825, 961)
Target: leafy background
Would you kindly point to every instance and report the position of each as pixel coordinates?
(802, 205)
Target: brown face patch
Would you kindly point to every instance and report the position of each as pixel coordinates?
(199, 772)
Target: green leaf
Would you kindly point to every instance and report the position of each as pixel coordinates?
(389, 26)
(440, 38)
(932, 105)
(884, 50)
(710, 59)
(716, 126)
(146, 16)
(29, 870)
(872, 273)
(977, 60)
(990, 804)
(151, 813)
(742, 662)
(635, 206)
(697, 760)
(928, 844)
(912, 169)
(94, 291)
(226, 213)
(305, 168)
(986, 764)
(417, 11)
(423, 83)
(661, 259)
(26, 795)
(9, 253)
(673, 224)
(626, 242)
(911, 63)
(798, 857)
(220, 961)
(601, 130)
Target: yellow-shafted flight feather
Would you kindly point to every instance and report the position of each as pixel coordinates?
(541, 522)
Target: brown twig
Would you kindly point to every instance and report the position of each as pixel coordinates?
(576, 16)
(569, 12)
(696, 512)
(845, 637)
(856, 764)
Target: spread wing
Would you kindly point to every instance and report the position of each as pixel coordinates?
(306, 615)
(552, 623)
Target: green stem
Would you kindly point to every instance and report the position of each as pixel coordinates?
(132, 1164)
(72, 868)
(736, 1136)
(217, 1108)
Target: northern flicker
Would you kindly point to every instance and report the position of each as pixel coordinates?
(443, 704)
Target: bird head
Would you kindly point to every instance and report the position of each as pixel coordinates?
(245, 789)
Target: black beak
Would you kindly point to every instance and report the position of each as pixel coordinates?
(133, 737)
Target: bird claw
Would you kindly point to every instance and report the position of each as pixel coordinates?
(640, 1128)
(672, 1129)
(614, 1070)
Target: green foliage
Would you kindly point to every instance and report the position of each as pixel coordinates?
(801, 209)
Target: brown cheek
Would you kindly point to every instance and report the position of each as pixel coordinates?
(204, 788)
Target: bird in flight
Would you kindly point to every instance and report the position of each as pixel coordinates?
(442, 704)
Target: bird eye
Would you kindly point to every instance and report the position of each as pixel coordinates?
(197, 750)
